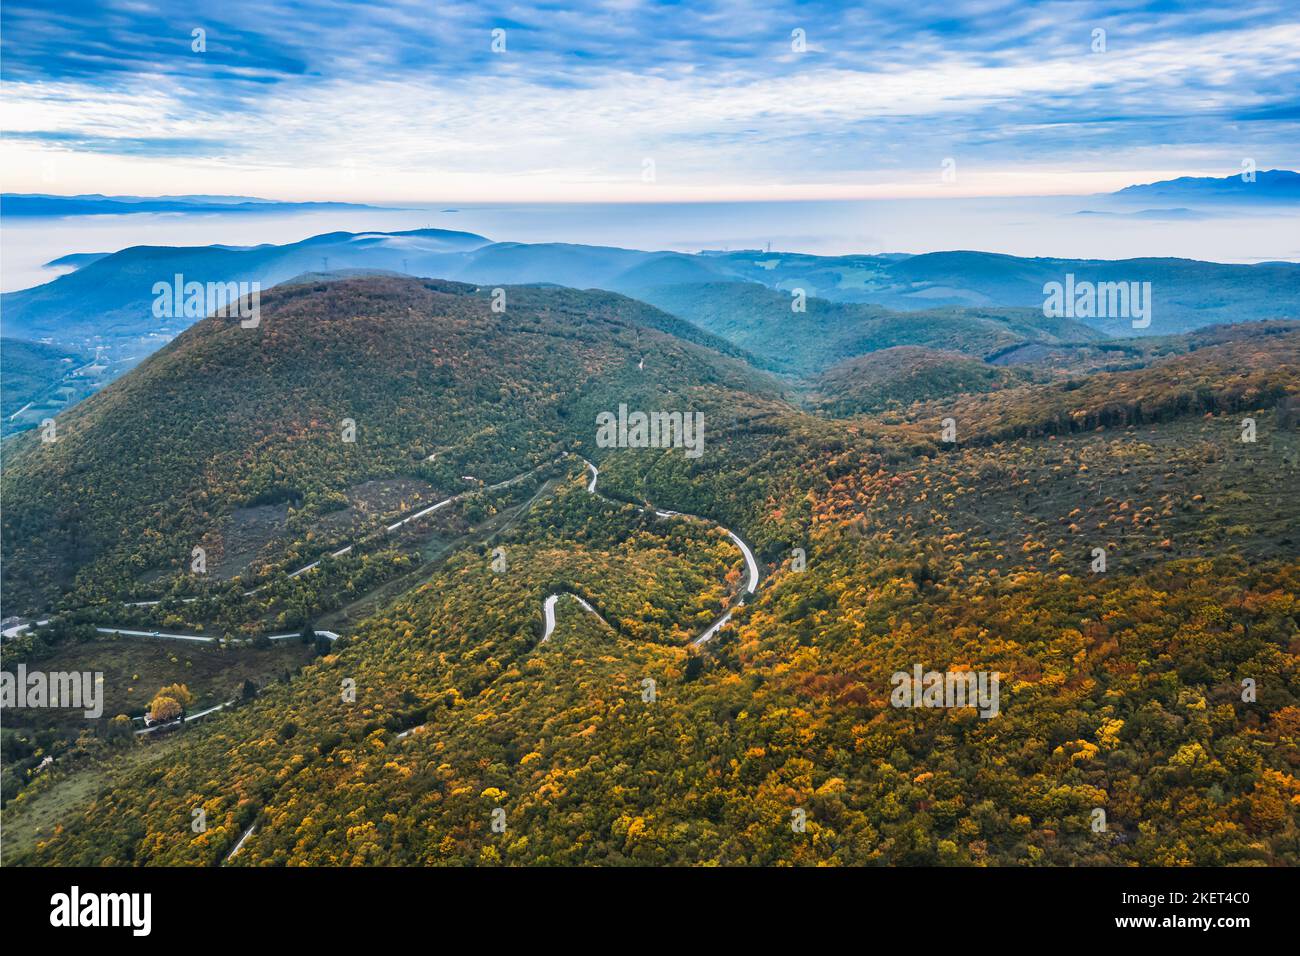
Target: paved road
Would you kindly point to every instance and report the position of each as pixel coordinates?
(751, 565)
(240, 845)
(15, 630)
(548, 609)
(197, 638)
(188, 717)
(206, 638)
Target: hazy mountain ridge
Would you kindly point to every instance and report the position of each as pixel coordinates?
(1264, 186)
(94, 204)
(111, 296)
(114, 295)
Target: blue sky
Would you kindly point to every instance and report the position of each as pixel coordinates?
(334, 99)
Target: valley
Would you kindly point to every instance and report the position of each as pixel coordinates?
(390, 461)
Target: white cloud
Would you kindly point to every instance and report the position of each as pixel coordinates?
(819, 128)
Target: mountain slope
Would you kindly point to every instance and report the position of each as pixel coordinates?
(226, 417)
(904, 374)
(763, 322)
(1119, 689)
(29, 369)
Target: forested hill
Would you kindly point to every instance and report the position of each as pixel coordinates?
(805, 341)
(958, 532)
(437, 384)
(883, 548)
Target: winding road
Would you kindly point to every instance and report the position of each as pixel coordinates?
(207, 639)
(548, 609)
(240, 845)
(188, 717)
(548, 606)
(15, 630)
(751, 566)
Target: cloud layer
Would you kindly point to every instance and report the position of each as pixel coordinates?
(753, 99)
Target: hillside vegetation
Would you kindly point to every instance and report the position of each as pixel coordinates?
(764, 322)
(437, 385)
(882, 547)
(900, 376)
(30, 371)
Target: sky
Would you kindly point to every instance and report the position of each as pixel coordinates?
(637, 101)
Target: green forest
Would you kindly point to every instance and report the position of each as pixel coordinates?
(909, 504)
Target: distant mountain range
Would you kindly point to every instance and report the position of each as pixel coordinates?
(109, 297)
(351, 461)
(1266, 186)
(94, 204)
